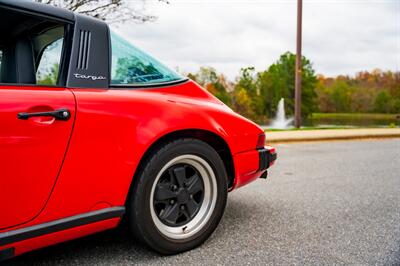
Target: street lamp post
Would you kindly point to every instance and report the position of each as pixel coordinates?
(297, 108)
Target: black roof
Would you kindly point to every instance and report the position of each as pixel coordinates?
(44, 9)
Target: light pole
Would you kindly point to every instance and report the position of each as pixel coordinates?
(297, 94)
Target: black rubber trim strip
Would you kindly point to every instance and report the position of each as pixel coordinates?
(265, 158)
(147, 86)
(112, 87)
(59, 225)
(272, 157)
(7, 253)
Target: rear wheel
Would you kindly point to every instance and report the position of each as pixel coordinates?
(179, 196)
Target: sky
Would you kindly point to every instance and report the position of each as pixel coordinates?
(339, 37)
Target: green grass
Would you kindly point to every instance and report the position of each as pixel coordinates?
(354, 116)
(353, 119)
(347, 121)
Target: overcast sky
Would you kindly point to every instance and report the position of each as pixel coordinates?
(339, 37)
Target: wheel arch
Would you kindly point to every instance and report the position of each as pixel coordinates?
(211, 138)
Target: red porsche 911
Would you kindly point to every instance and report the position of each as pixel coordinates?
(93, 131)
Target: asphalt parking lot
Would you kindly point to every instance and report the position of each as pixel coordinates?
(324, 203)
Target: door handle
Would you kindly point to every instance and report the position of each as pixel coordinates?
(60, 114)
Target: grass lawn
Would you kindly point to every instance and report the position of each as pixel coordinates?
(347, 121)
(365, 116)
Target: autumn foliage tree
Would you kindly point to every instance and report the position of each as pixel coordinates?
(255, 95)
(244, 95)
(215, 83)
(376, 91)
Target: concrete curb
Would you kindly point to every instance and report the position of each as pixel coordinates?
(331, 134)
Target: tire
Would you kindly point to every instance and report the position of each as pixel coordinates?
(178, 197)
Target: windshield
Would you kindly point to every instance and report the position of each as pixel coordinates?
(132, 66)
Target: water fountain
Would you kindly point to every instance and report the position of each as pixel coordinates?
(280, 121)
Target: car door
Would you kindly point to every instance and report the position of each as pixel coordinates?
(36, 119)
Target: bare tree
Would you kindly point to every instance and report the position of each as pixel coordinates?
(112, 11)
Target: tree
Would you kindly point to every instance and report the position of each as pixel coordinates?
(112, 11)
(206, 75)
(242, 103)
(213, 82)
(362, 99)
(49, 77)
(247, 83)
(131, 70)
(323, 96)
(341, 96)
(383, 102)
(278, 82)
(374, 91)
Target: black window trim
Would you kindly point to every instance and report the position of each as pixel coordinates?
(65, 55)
(37, 13)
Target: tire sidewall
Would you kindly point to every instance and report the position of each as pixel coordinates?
(140, 197)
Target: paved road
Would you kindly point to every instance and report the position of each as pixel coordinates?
(325, 203)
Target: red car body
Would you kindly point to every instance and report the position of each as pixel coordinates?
(52, 170)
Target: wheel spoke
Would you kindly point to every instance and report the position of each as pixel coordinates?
(179, 173)
(195, 184)
(179, 194)
(191, 207)
(163, 192)
(170, 213)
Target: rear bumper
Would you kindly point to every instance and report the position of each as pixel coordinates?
(267, 157)
(252, 164)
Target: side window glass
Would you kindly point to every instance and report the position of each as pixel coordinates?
(31, 48)
(49, 64)
(132, 66)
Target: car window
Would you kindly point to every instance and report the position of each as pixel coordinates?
(132, 66)
(30, 50)
(49, 64)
